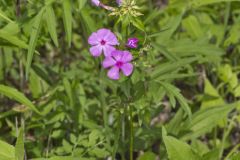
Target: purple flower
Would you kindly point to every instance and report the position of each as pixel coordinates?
(96, 2)
(132, 43)
(118, 61)
(119, 2)
(102, 41)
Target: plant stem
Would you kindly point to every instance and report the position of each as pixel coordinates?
(123, 134)
(225, 135)
(131, 133)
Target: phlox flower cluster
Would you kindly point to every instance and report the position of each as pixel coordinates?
(104, 42)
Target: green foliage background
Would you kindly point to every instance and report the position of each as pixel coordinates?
(181, 103)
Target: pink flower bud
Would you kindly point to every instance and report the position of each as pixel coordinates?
(132, 43)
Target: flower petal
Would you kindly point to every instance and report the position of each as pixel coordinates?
(126, 57)
(93, 39)
(127, 69)
(107, 50)
(108, 62)
(111, 39)
(113, 73)
(96, 2)
(117, 55)
(102, 33)
(96, 50)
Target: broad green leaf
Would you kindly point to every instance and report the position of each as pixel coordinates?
(148, 156)
(211, 155)
(237, 91)
(178, 150)
(7, 151)
(176, 92)
(33, 39)
(18, 96)
(204, 120)
(209, 89)
(19, 148)
(67, 19)
(12, 28)
(51, 24)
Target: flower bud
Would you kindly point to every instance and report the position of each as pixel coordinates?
(132, 43)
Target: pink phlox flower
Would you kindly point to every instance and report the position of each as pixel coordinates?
(118, 61)
(132, 43)
(119, 2)
(102, 41)
(95, 2)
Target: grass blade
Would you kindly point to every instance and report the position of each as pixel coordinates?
(51, 24)
(33, 40)
(67, 19)
(18, 96)
(19, 148)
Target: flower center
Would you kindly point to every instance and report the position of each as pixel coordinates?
(103, 42)
(119, 64)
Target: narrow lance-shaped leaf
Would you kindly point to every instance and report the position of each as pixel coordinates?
(81, 3)
(19, 148)
(33, 39)
(13, 39)
(16, 95)
(175, 91)
(204, 120)
(198, 3)
(67, 19)
(51, 24)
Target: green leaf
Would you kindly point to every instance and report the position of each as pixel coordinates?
(209, 89)
(171, 66)
(51, 24)
(81, 3)
(237, 91)
(204, 120)
(148, 156)
(68, 89)
(198, 3)
(178, 150)
(19, 148)
(7, 151)
(138, 24)
(192, 26)
(16, 95)
(33, 39)
(67, 19)
(3, 15)
(13, 39)
(176, 92)
(172, 25)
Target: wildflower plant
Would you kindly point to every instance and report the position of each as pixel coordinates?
(119, 79)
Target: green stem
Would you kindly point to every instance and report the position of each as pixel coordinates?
(131, 133)
(225, 135)
(123, 134)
